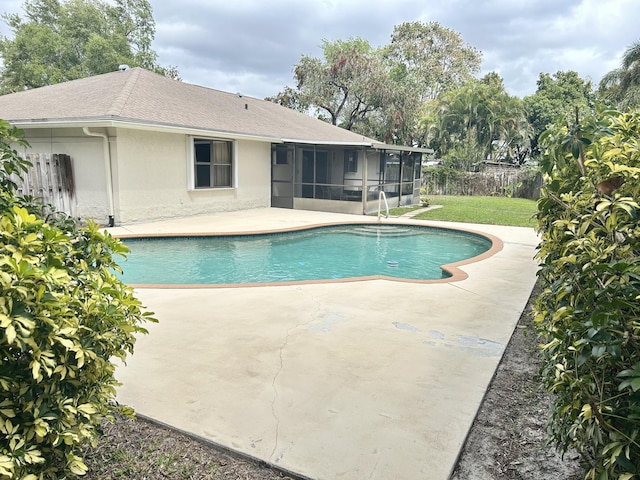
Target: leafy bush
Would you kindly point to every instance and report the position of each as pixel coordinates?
(588, 313)
(64, 315)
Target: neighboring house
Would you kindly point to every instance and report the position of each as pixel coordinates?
(144, 147)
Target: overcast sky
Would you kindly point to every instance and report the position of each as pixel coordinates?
(251, 46)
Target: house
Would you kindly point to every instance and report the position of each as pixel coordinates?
(145, 147)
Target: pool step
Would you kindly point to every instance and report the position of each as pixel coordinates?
(382, 230)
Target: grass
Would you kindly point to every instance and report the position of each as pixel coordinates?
(517, 212)
(397, 211)
(132, 449)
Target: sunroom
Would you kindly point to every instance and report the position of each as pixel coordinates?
(357, 179)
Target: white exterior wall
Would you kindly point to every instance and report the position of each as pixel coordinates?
(152, 174)
(153, 178)
(253, 179)
(87, 162)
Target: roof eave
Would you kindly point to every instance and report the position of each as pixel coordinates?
(101, 122)
(328, 142)
(138, 125)
(369, 144)
(402, 148)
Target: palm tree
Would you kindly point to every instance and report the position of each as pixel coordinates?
(513, 132)
(475, 122)
(622, 85)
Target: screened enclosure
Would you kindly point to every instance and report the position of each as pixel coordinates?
(343, 178)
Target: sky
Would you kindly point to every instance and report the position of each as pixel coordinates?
(252, 46)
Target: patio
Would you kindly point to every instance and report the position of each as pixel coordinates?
(370, 379)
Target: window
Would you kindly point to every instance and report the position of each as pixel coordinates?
(282, 155)
(350, 161)
(212, 163)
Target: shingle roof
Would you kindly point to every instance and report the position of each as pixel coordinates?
(140, 96)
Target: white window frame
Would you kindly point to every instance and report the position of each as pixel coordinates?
(192, 163)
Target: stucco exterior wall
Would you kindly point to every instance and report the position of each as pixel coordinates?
(152, 178)
(151, 174)
(87, 161)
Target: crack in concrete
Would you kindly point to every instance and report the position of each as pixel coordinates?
(275, 398)
(375, 467)
(312, 316)
(465, 290)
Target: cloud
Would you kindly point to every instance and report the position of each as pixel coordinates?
(521, 39)
(265, 39)
(251, 46)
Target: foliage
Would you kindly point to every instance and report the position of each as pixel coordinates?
(344, 87)
(435, 58)
(395, 122)
(556, 97)
(57, 41)
(517, 212)
(10, 162)
(423, 59)
(290, 98)
(381, 92)
(64, 315)
(588, 312)
(476, 122)
(622, 85)
(443, 174)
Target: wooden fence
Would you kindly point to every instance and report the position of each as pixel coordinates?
(515, 182)
(49, 180)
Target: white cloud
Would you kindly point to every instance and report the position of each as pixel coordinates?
(253, 45)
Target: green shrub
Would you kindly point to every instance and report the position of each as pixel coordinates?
(588, 313)
(64, 315)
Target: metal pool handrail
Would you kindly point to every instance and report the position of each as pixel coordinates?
(381, 196)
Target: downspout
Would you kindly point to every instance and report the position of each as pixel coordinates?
(107, 169)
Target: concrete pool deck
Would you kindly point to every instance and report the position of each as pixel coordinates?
(368, 379)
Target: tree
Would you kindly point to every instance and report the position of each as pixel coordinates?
(134, 20)
(433, 58)
(475, 122)
(64, 317)
(397, 121)
(382, 93)
(290, 98)
(57, 41)
(588, 311)
(344, 87)
(622, 85)
(557, 97)
(423, 60)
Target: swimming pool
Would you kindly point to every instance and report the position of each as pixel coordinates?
(331, 253)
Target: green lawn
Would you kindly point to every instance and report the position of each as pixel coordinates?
(516, 212)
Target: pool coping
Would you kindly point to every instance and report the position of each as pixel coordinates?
(252, 357)
(454, 269)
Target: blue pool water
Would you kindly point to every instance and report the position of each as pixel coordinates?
(348, 251)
